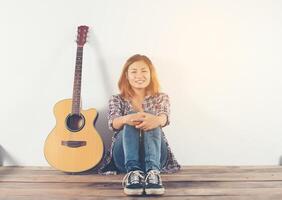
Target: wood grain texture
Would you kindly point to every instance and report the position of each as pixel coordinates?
(192, 182)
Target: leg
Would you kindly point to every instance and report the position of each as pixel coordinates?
(131, 140)
(126, 150)
(118, 154)
(154, 152)
(133, 180)
(163, 152)
(152, 149)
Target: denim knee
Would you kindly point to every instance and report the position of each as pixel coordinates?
(127, 127)
(155, 133)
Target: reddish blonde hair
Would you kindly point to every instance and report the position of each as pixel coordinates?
(125, 88)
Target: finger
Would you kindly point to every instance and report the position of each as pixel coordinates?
(146, 129)
(142, 125)
(143, 129)
(136, 123)
(139, 127)
(141, 114)
(138, 119)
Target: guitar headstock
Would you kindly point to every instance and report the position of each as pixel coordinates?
(81, 35)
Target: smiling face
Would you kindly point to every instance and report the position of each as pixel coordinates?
(139, 75)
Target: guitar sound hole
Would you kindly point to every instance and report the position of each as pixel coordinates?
(75, 122)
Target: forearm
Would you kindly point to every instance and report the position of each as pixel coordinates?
(119, 122)
(162, 119)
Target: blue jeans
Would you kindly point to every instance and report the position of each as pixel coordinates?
(132, 152)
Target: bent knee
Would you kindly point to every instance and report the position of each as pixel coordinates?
(156, 133)
(127, 127)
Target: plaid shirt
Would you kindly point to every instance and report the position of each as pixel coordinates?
(118, 106)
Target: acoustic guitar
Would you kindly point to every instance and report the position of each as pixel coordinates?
(74, 145)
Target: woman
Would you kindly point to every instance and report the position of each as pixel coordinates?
(137, 115)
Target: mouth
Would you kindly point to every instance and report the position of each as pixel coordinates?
(140, 81)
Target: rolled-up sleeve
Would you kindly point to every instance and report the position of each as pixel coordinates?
(115, 110)
(163, 107)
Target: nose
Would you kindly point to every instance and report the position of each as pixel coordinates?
(138, 74)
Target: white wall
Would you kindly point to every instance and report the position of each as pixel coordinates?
(220, 62)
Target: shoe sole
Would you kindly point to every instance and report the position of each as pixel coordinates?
(133, 191)
(159, 191)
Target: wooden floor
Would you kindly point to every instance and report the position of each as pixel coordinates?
(193, 182)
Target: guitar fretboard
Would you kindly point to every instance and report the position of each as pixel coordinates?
(77, 81)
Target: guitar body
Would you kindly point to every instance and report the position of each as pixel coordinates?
(73, 148)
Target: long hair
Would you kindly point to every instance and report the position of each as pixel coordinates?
(125, 88)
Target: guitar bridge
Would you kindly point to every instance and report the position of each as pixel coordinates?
(74, 144)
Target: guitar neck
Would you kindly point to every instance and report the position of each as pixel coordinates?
(77, 81)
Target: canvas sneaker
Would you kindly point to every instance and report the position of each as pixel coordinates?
(133, 183)
(153, 183)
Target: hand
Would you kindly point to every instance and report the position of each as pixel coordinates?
(148, 122)
(134, 119)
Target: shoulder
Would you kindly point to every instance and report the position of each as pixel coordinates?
(116, 98)
(161, 96)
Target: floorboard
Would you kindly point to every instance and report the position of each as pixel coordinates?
(192, 183)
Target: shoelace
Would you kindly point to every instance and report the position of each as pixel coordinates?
(153, 177)
(134, 177)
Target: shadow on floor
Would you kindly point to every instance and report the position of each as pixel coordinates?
(5, 157)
